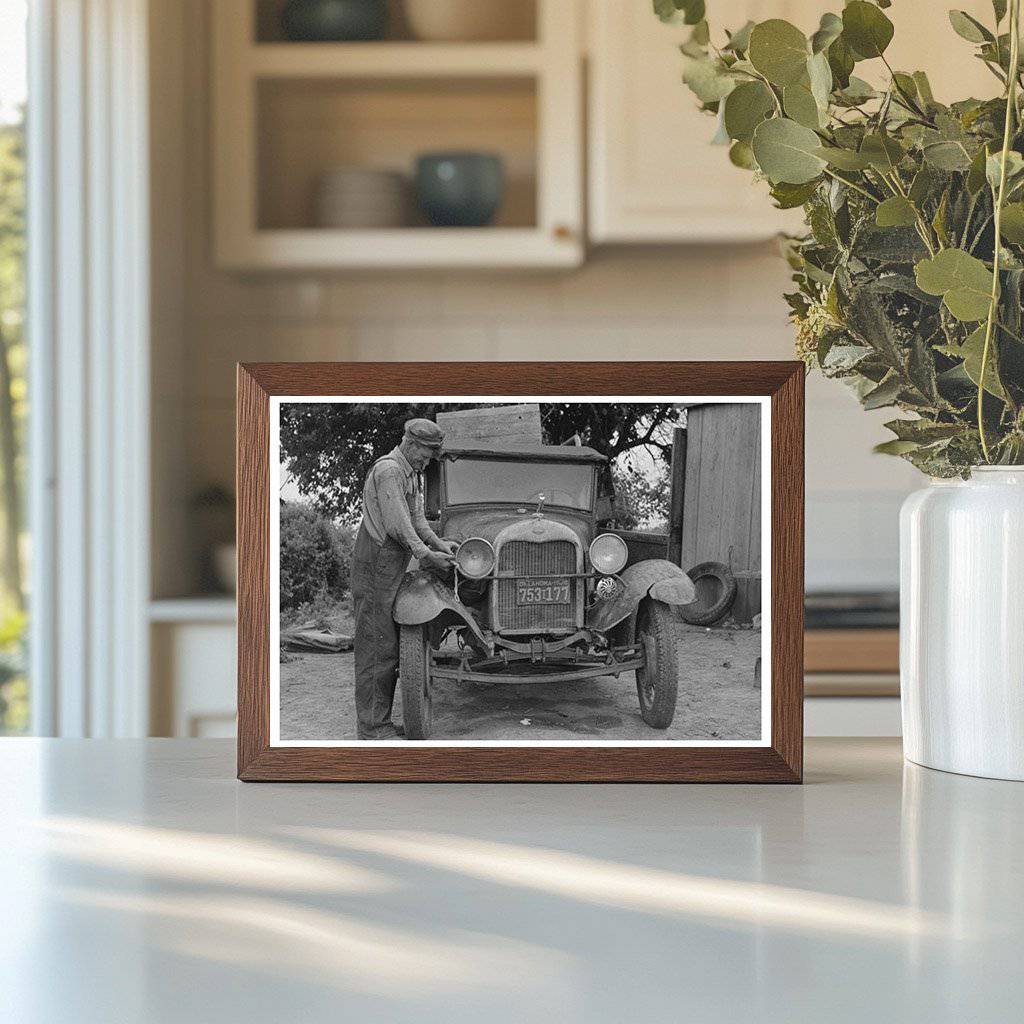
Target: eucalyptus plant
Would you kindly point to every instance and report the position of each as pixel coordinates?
(910, 278)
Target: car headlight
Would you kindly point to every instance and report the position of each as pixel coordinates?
(475, 558)
(608, 553)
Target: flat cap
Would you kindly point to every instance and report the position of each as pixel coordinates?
(425, 431)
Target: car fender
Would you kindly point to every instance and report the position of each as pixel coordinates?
(654, 577)
(422, 597)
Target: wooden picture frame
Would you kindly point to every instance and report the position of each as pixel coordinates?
(778, 760)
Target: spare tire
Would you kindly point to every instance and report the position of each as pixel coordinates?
(714, 599)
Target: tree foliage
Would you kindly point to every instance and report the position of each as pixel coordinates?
(902, 291)
(641, 502)
(315, 556)
(328, 448)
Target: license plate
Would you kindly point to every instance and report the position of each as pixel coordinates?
(548, 592)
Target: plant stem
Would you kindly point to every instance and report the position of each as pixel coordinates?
(1011, 108)
(853, 185)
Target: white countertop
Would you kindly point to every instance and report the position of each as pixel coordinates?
(140, 882)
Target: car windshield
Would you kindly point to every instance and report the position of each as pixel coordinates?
(502, 480)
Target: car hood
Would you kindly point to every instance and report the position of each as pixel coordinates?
(463, 523)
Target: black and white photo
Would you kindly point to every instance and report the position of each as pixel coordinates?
(520, 570)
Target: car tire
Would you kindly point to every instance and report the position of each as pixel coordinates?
(699, 613)
(414, 678)
(657, 683)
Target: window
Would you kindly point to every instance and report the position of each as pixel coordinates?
(14, 695)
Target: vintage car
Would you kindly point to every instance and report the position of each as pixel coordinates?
(537, 594)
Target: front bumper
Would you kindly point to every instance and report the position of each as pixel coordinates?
(511, 666)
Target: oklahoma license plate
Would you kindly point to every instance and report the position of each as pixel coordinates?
(548, 592)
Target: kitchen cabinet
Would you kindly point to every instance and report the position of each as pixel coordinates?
(653, 175)
(287, 114)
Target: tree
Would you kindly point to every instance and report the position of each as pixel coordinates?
(640, 503)
(328, 448)
(315, 556)
(12, 350)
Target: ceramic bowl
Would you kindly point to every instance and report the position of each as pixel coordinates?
(333, 21)
(460, 189)
(470, 20)
(359, 197)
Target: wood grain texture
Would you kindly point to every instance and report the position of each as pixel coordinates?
(781, 762)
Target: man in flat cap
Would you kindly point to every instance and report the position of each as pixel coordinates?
(394, 529)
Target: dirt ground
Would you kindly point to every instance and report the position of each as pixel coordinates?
(718, 699)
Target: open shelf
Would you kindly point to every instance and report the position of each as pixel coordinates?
(390, 60)
(309, 127)
(286, 114)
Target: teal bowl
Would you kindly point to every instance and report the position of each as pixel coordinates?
(334, 21)
(460, 190)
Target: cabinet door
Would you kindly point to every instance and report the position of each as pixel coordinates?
(654, 176)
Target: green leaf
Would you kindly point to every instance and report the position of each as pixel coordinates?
(947, 156)
(866, 29)
(844, 159)
(701, 34)
(969, 28)
(739, 41)
(971, 351)
(819, 74)
(788, 197)
(939, 220)
(999, 9)
(963, 281)
(741, 155)
(666, 10)
(976, 173)
(924, 88)
(745, 108)
(885, 394)
(779, 51)
(923, 431)
(829, 30)
(883, 152)
(801, 106)
(993, 167)
(922, 185)
(689, 12)
(905, 84)
(895, 212)
(693, 10)
(787, 151)
(1012, 224)
(895, 447)
(707, 78)
(858, 91)
(841, 63)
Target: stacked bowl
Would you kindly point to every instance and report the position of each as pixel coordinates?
(362, 197)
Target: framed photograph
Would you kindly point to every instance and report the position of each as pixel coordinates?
(520, 571)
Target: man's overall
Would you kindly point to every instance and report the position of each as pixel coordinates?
(377, 570)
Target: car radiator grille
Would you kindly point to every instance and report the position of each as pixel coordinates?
(525, 558)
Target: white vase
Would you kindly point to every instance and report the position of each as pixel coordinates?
(962, 624)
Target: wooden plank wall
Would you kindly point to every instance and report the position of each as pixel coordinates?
(722, 497)
(510, 424)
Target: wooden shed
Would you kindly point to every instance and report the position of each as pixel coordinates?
(721, 502)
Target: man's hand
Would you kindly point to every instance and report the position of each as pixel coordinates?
(435, 560)
(447, 547)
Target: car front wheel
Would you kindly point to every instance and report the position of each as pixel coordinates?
(657, 683)
(414, 676)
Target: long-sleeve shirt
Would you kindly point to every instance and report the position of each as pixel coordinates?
(393, 504)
